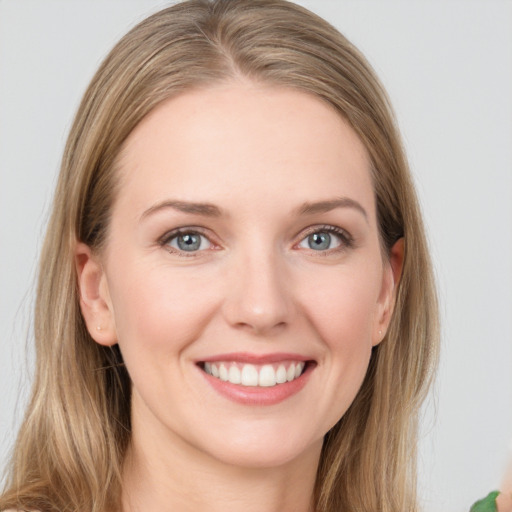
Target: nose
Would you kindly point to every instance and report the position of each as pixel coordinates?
(258, 298)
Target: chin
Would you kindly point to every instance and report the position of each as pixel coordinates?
(261, 447)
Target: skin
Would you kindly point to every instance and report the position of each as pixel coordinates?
(258, 154)
(504, 500)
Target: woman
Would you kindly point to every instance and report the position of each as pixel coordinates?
(229, 308)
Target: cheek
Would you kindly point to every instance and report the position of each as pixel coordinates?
(342, 308)
(159, 309)
(342, 305)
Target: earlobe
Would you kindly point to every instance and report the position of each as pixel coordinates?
(95, 302)
(391, 279)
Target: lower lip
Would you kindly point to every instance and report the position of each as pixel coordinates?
(256, 395)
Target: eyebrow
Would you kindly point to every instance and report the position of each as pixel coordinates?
(331, 204)
(205, 209)
(211, 210)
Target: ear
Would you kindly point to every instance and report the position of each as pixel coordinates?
(390, 280)
(95, 302)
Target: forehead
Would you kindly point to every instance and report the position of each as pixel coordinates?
(237, 142)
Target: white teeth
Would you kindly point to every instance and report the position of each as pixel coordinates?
(234, 375)
(281, 374)
(249, 375)
(223, 373)
(290, 374)
(267, 375)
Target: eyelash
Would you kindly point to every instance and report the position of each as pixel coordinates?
(166, 239)
(346, 240)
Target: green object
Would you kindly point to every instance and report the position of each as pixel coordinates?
(488, 504)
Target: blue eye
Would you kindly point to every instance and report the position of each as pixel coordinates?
(188, 242)
(325, 239)
(319, 241)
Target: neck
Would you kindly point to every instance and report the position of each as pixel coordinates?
(170, 475)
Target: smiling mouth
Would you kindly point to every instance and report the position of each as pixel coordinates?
(255, 375)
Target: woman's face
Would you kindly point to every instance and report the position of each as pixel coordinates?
(243, 277)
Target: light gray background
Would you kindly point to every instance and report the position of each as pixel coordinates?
(447, 67)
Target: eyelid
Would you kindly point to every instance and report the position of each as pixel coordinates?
(166, 238)
(346, 239)
(185, 230)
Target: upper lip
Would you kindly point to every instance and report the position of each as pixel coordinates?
(244, 357)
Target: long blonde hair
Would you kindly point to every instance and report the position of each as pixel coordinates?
(71, 446)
